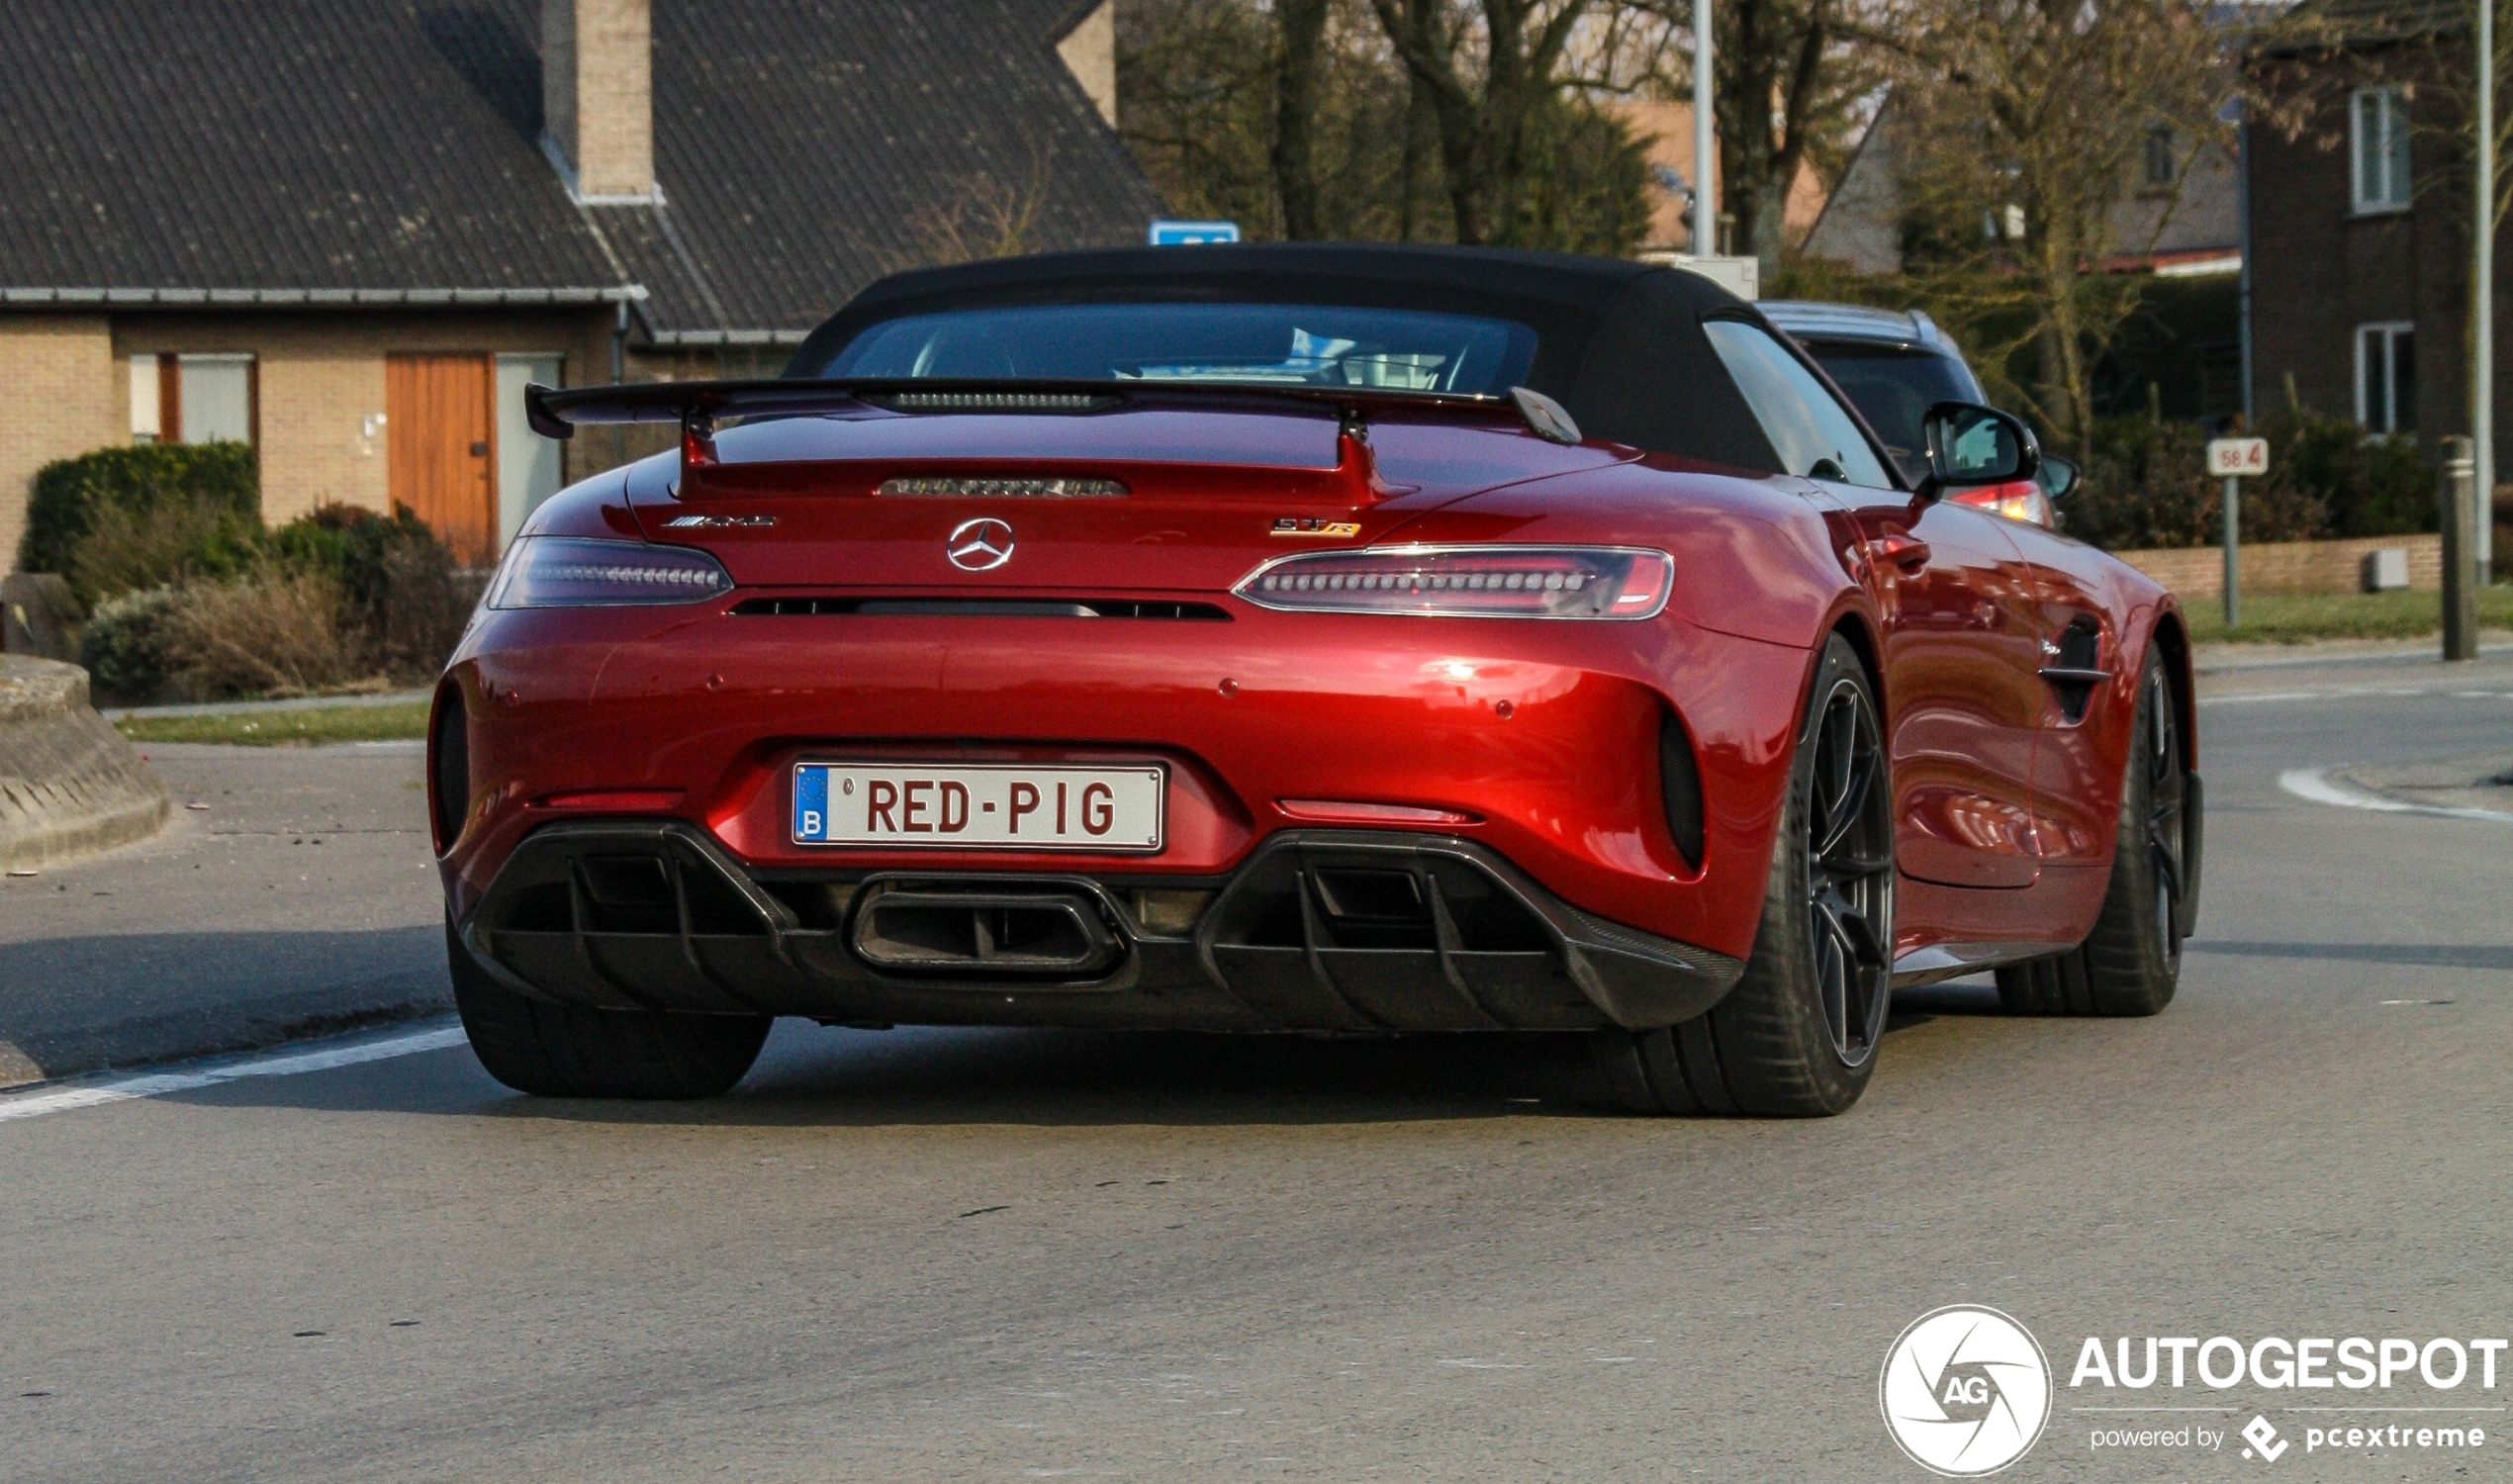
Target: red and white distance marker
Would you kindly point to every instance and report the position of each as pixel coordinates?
(2237, 458)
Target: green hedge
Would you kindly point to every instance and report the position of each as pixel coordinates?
(213, 490)
(2146, 485)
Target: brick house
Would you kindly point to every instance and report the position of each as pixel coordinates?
(2359, 227)
(349, 234)
(2360, 224)
(2178, 219)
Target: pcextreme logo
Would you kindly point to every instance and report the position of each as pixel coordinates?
(1965, 1391)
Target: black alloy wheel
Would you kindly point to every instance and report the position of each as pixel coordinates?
(1849, 845)
(2131, 963)
(2160, 751)
(1797, 1037)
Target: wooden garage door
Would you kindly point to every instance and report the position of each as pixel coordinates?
(441, 434)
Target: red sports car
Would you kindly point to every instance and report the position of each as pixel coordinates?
(1301, 638)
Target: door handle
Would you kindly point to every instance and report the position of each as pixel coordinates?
(1906, 552)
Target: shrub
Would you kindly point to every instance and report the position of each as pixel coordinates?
(209, 489)
(2367, 487)
(124, 644)
(2146, 485)
(403, 592)
(128, 552)
(273, 633)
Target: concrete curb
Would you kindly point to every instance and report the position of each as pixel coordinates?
(69, 783)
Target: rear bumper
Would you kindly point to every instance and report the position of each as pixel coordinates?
(1317, 930)
(1544, 739)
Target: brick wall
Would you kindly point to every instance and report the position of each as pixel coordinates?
(59, 396)
(322, 434)
(321, 384)
(2287, 566)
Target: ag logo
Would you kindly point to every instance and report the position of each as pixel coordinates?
(1965, 1391)
(980, 545)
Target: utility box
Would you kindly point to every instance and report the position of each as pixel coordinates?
(1740, 276)
(2386, 569)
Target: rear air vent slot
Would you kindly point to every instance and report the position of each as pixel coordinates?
(1680, 789)
(994, 401)
(1042, 487)
(451, 764)
(979, 608)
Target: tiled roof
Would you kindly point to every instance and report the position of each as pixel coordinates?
(277, 148)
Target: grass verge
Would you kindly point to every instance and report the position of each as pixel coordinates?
(400, 722)
(2299, 618)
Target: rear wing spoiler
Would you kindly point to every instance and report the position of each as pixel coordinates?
(698, 405)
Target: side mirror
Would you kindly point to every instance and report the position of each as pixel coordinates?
(1969, 444)
(2058, 475)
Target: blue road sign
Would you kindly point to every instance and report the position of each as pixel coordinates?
(1190, 234)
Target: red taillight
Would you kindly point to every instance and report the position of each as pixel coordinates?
(2017, 499)
(1469, 582)
(561, 571)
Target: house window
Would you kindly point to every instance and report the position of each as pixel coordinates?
(192, 399)
(2378, 125)
(2386, 377)
(2159, 157)
(528, 464)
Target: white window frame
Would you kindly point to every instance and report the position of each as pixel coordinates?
(2383, 195)
(2387, 333)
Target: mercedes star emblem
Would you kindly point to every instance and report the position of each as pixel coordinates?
(980, 545)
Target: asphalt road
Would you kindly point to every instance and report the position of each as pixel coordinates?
(915, 1255)
(292, 893)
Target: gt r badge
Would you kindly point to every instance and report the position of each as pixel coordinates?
(716, 523)
(980, 545)
(1313, 525)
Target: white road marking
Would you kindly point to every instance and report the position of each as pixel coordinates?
(2315, 785)
(267, 1065)
(2345, 692)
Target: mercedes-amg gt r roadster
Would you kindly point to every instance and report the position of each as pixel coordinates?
(1312, 639)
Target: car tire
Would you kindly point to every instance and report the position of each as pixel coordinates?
(570, 1050)
(1797, 1036)
(2131, 963)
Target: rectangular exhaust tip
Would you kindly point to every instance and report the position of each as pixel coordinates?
(984, 933)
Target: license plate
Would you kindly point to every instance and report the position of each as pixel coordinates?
(1005, 807)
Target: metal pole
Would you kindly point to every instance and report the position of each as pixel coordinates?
(2483, 372)
(2460, 557)
(2233, 552)
(2242, 199)
(1705, 147)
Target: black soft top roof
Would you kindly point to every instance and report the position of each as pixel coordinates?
(1619, 343)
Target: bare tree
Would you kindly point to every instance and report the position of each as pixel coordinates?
(2020, 122)
(1486, 116)
(1792, 79)
(1301, 54)
(1312, 119)
(984, 217)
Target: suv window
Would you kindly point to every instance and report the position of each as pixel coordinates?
(1807, 428)
(1894, 388)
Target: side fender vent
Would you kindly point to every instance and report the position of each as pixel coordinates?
(448, 768)
(1680, 786)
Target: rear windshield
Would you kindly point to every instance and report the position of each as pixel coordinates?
(1272, 344)
(1894, 389)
